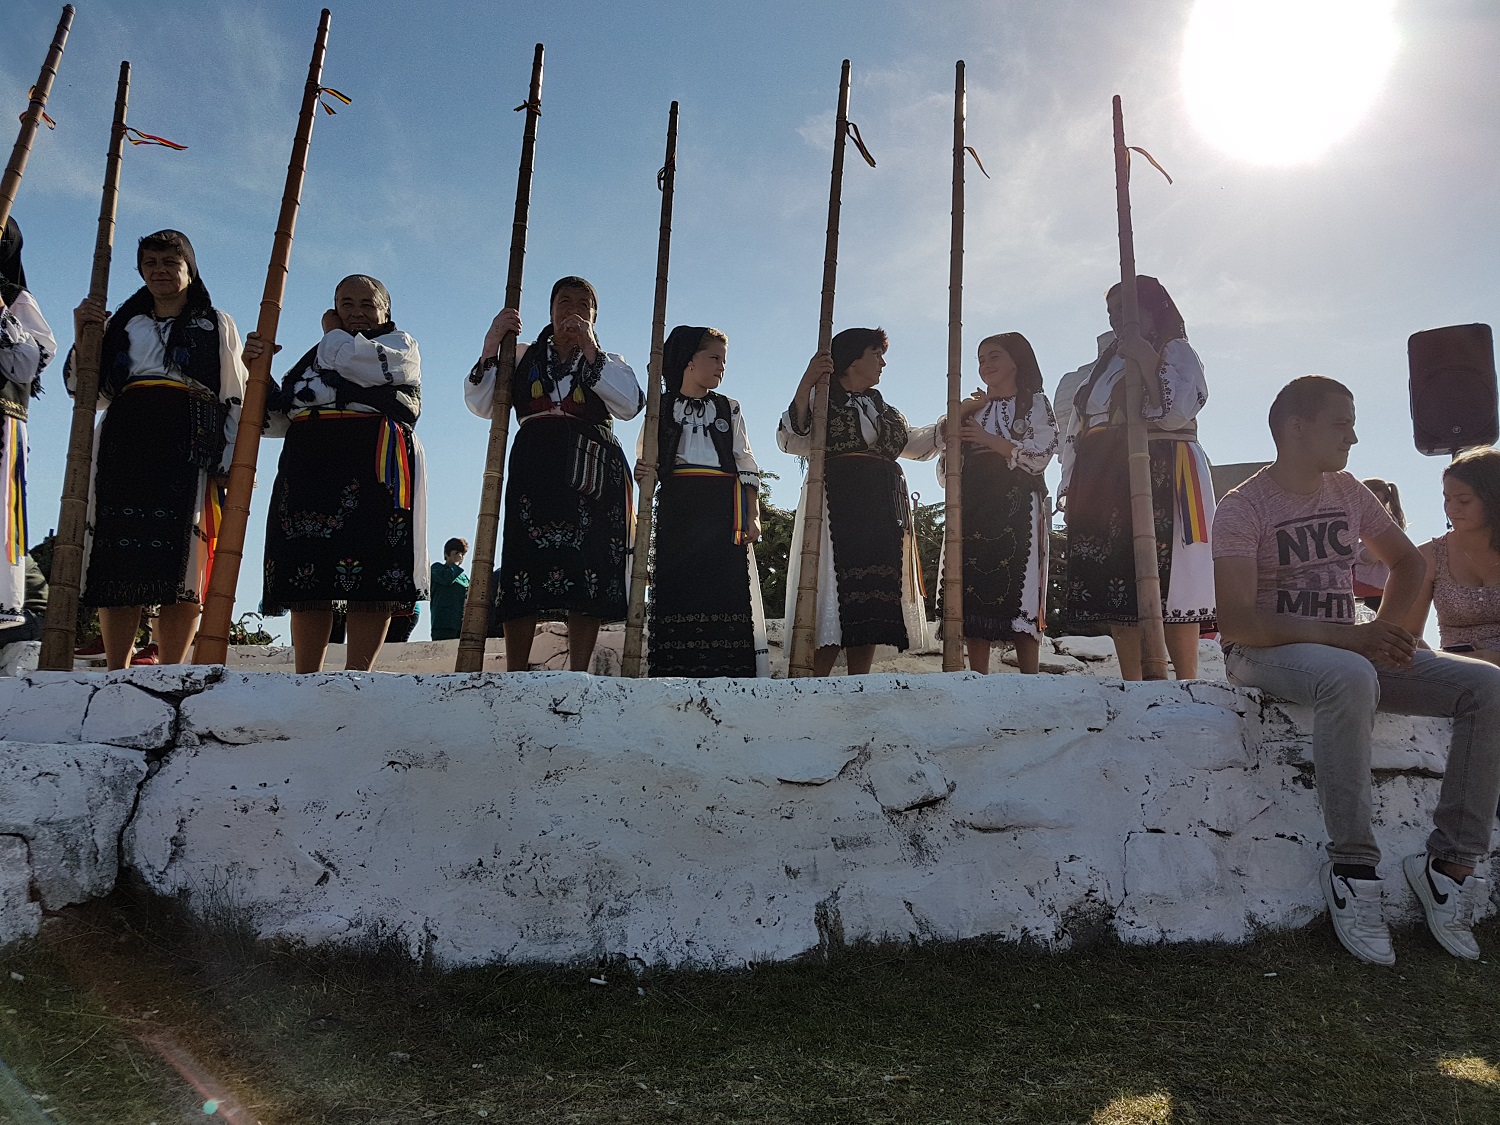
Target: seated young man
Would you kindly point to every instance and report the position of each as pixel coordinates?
(1284, 544)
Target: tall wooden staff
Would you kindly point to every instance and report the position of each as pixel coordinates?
(213, 634)
(953, 533)
(804, 618)
(477, 608)
(33, 116)
(635, 621)
(67, 554)
(1147, 580)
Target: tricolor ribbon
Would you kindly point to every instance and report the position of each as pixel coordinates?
(14, 515)
(1189, 488)
(744, 501)
(332, 93)
(1133, 148)
(136, 137)
(393, 462)
(970, 150)
(859, 142)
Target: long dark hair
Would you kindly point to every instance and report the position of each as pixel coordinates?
(1028, 374)
(1480, 470)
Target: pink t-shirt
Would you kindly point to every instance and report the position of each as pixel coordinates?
(1303, 546)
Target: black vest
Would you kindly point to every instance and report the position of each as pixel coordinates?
(669, 433)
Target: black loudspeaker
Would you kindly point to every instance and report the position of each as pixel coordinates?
(1453, 401)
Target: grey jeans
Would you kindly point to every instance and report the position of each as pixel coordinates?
(1345, 690)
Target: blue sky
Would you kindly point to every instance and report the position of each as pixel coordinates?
(1323, 266)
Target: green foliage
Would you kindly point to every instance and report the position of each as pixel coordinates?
(241, 632)
(774, 549)
(929, 522)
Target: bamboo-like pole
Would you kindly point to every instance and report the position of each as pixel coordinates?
(1147, 580)
(803, 642)
(60, 633)
(32, 118)
(477, 608)
(635, 621)
(218, 608)
(953, 526)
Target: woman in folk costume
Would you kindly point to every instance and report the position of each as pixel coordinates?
(348, 514)
(567, 536)
(1096, 487)
(705, 614)
(170, 384)
(26, 346)
(869, 579)
(1009, 438)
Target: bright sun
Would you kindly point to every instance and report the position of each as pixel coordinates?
(1279, 81)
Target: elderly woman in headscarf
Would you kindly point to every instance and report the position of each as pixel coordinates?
(1096, 486)
(26, 346)
(705, 614)
(567, 539)
(170, 384)
(348, 515)
(869, 577)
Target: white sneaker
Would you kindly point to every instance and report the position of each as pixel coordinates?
(1354, 905)
(1449, 905)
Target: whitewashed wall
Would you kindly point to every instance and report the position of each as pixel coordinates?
(559, 816)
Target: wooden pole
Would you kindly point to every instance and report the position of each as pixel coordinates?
(477, 608)
(1147, 580)
(218, 608)
(803, 642)
(32, 118)
(953, 533)
(59, 635)
(635, 621)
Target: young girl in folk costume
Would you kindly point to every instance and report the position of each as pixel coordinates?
(705, 613)
(348, 515)
(170, 385)
(1096, 487)
(869, 579)
(26, 347)
(1009, 438)
(567, 535)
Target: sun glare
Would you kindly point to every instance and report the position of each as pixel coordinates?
(1279, 81)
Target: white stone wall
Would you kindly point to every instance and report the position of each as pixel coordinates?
(559, 816)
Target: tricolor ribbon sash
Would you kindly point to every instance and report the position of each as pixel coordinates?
(14, 515)
(1190, 495)
(745, 498)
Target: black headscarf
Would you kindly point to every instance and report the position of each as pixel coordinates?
(12, 273)
(193, 351)
(1166, 324)
(681, 346)
(573, 282)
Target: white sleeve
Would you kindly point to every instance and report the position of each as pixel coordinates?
(1033, 453)
(1183, 387)
(26, 342)
(744, 456)
(922, 443)
(789, 439)
(233, 378)
(1069, 449)
(619, 388)
(479, 386)
(391, 360)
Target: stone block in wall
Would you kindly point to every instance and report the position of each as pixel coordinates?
(20, 917)
(69, 804)
(121, 714)
(45, 706)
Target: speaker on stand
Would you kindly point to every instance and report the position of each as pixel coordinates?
(1452, 385)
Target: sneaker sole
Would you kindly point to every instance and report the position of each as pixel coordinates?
(1418, 883)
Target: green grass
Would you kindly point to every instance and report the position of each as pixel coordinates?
(1289, 1029)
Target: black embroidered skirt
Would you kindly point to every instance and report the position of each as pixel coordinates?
(1101, 551)
(148, 504)
(334, 531)
(1004, 550)
(868, 514)
(566, 526)
(700, 616)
